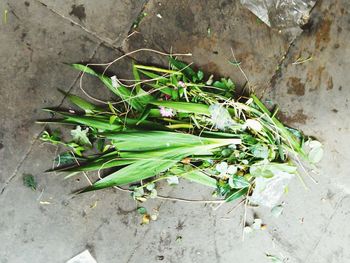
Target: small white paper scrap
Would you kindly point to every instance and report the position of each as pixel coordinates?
(83, 257)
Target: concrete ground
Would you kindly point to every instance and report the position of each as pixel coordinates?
(38, 38)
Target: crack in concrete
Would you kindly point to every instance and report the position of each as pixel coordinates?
(285, 245)
(105, 40)
(37, 136)
(313, 249)
(216, 248)
(132, 24)
(278, 72)
(138, 244)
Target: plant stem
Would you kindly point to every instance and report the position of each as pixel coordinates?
(158, 69)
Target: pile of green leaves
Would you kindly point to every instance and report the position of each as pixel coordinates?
(176, 123)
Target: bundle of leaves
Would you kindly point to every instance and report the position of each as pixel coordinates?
(176, 123)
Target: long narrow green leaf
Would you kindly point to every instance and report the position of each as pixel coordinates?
(147, 168)
(152, 75)
(103, 123)
(85, 69)
(284, 132)
(124, 93)
(80, 102)
(151, 68)
(235, 194)
(93, 122)
(189, 73)
(152, 140)
(199, 177)
(94, 166)
(141, 94)
(140, 170)
(187, 107)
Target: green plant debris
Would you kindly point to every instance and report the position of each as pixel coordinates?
(302, 60)
(142, 210)
(208, 31)
(177, 124)
(29, 181)
(5, 16)
(274, 259)
(81, 136)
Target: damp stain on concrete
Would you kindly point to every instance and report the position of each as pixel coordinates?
(298, 117)
(296, 87)
(322, 34)
(330, 83)
(78, 11)
(316, 77)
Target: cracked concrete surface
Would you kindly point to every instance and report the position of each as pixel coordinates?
(39, 37)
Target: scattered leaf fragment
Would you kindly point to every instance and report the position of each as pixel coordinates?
(316, 154)
(142, 210)
(179, 239)
(93, 205)
(316, 151)
(5, 16)
(29, 181)
(277, 210)
(173, 180)
(234, 63)
(274, 259)
(145, 219)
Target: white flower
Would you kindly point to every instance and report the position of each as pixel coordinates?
(220, 117)
(225, 170)
(166, 112)
(254, 125)
(181, 84)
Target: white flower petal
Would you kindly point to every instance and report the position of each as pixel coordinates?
(220, 117)
(115, 82)
(231, 169)
(254, 125)
(222, 167)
